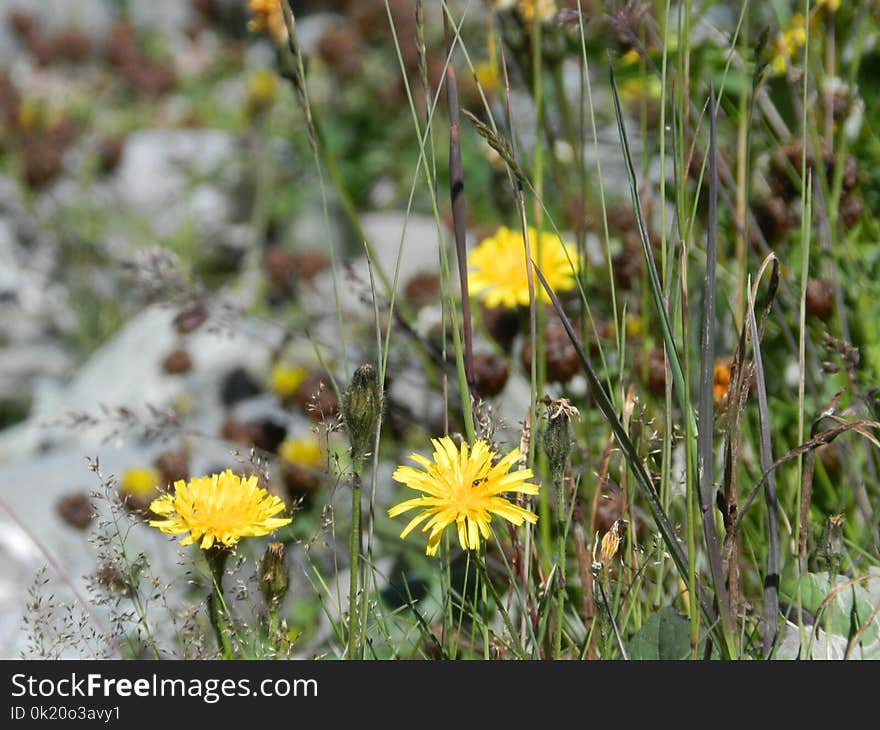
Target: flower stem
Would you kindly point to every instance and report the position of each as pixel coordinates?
(354, 562)
(216, 558)
(560, 567)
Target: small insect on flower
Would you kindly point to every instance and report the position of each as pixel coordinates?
(221, 508)
(498, 271)
(464, 487)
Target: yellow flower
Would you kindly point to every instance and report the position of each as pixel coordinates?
(261, 87)
(721, 381)
(602, 556)
(221, 508)
(787, 43)
(630, 57)
(462, 487)
(832, 6)
(545, 9)
(268, 18)
(634, 90)
(499, 273)
(487, 75)
(139, 481)
(286, 380)
(304, 452)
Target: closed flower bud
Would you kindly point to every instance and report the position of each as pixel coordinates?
(361, 404)
(274, 581)
(557, 436)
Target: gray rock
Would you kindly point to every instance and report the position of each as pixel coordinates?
(158, 164)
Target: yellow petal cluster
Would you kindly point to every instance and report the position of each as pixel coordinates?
(463, 487)
(268, 18)
(218, 509)
(498, 272)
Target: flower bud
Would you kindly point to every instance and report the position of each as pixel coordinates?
(361, 404)
(273, 573)
(832, 540)
(557, 436)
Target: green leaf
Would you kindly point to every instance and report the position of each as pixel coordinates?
(665, 635)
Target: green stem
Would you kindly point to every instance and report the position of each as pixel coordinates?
(354, 563)
(216, 557)
(560, 556)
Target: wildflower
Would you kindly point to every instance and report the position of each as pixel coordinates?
(787, 43)
(499, 273)
(139, 482)
(463, 487)
(543, 9)
(221, 508)
(268, 17)
(285, 381)
(721, 381)
(302, 452)
(487, 75)
(630, 57)
(633, 327)
(634, 90)
(832, 6)
(610, 545)
(261, 90)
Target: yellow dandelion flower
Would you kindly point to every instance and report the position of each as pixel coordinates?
(787, 43)
(498, 267)
(302, 451)
(487, 75)
(261, 87)
(286, 380)
(268, 18)
(463, 487)
(544, 9)
(832, 6)
(221, 508)
(139, 481)
(630, 57)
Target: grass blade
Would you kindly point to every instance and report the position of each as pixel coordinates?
(771, 579)
(643, 479)
(705, 433)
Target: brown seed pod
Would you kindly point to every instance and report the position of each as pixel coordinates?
(76, 510)
(340, 48)
(490, 374)
(502, 324)
(173, 466)
(422, 289)
(820, 298)
(307, 264)
(316, 397)
(851, 207)
(561, 358)
(656, 371)
(775, 218)
(177, 362)
(301, 481)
